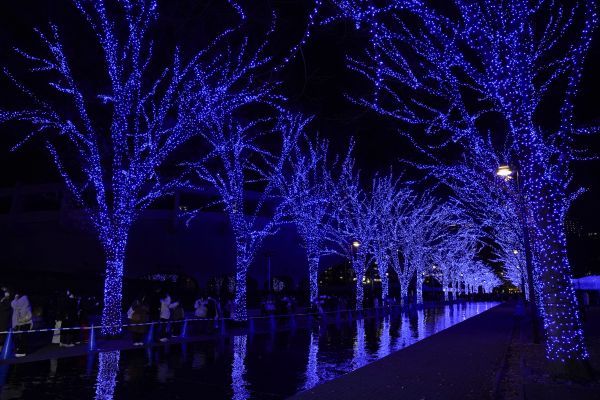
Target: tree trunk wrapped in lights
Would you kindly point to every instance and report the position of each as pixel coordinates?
(114, 251)
(358, 265)
(445, 286)
(405, 272)
(565, 340)
(419, 286)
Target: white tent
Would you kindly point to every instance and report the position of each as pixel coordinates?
(591, 282)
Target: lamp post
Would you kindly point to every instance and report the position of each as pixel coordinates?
(506, 172)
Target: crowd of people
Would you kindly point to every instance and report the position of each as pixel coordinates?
(69, 317)
(167, 312)
(272, 305)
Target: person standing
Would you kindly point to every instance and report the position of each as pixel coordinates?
(177, 317)
(22, 320)
(584, 305)
(83, 316)
(4, 313)
(200, 308)
(68, 311)
(212, 313)
(139, 315)
(165, 315)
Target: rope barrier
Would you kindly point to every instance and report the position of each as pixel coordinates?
(83, 328)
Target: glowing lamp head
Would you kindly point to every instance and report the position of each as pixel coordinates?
(504, 171)
(515, 251)
(356, 244)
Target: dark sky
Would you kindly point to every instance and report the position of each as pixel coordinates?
(316, 82)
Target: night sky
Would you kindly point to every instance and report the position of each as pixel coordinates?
(316, 83)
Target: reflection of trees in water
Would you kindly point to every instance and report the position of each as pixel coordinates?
(384, 338)
(417, 325)
(420, 324)
(312, 373)
(318, 369)
(238, 369)
(446, 320)
(432, 318)
(106, 379)
(359, 357)
(412, 320)
(462, 311)
(404, 332)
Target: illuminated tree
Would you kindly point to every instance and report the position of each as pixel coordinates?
(497, 61)
(308, 187)
(388, 201)
(113, 136)
(453, 254)
(393, 205)
(510, 251)
(428, 222)
(354, 228)
(242, 156)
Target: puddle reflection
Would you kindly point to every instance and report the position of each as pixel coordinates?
(238, 369)
(106, 379)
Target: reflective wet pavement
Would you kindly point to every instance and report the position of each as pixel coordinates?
(262, 366)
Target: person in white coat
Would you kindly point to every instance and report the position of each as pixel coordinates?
(22, 320)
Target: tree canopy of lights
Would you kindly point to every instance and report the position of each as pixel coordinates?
(112, 143)
(485, 68)
(245, 166)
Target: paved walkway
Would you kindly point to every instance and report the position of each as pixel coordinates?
(460, 362)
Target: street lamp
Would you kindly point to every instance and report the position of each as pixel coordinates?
(515, 251)
(356, 244)
(504, 171)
